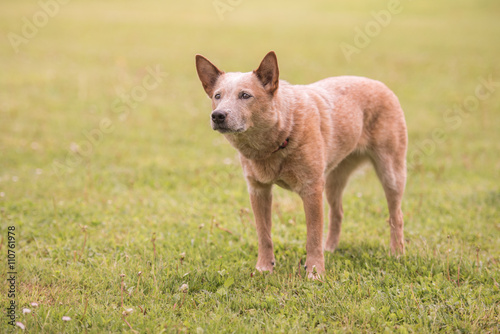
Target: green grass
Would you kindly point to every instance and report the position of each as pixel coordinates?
(161, 173)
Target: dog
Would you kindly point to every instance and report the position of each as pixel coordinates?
(309, 139)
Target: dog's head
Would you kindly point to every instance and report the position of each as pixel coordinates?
(240, 101)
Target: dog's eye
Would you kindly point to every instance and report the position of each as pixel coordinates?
(217, 96)
(245, 96)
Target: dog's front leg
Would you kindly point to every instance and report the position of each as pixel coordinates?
(261, 200)
(313, 207)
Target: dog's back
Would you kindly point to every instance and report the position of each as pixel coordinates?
(357, 114)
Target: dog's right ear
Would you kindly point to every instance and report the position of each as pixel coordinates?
(208, 74)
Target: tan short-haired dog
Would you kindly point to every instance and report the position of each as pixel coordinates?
(309, 138)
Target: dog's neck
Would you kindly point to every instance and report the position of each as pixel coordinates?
(260, 146)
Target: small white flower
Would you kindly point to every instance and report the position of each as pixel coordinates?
(184, 288)
(34, 304)
(66, 318)
(26, 310)
(20, 325)
(2, 194)
(128, 311)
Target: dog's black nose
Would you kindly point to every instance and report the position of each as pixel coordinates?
(219, 116)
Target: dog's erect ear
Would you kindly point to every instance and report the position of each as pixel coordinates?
(268, 72)
(208, 74)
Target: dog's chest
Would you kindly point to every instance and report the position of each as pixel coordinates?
(271, 173)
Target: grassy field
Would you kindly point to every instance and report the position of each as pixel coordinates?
(131, 214)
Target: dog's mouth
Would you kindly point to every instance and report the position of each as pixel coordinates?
(225, 129)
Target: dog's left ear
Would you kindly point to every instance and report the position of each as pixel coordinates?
(268, 72)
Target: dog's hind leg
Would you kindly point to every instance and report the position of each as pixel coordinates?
(391, 170)
(336, 181)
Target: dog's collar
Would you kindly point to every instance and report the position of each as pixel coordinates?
(283, 145)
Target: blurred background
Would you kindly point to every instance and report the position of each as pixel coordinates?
(104, 123)
(63, 63)
(79, 94)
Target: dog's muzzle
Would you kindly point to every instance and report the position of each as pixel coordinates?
(224, 124)
(219, 116)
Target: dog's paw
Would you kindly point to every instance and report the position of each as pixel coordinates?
(314, 277)
(265, 266)
(330, 248)
(315, 267)
(397, 248)
(314, 274)
(331, 244)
